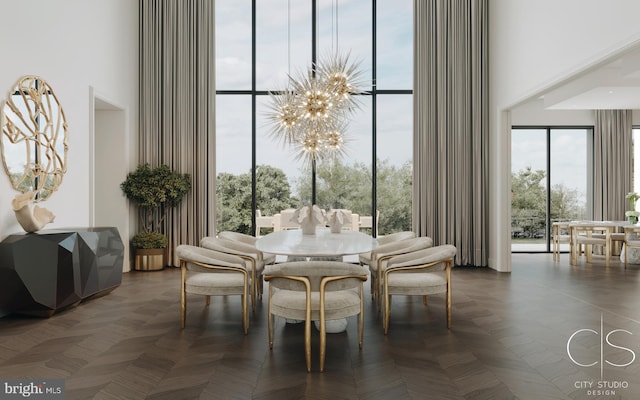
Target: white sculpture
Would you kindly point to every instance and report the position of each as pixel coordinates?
(309, 217)
(336, 219)
(32, 218)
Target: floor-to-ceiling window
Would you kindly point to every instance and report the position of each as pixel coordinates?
(550, 181)
(259, 44)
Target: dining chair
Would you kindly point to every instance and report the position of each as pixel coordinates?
(419, 273)
(382, 253)
(589, 235)
(631, 241)
(262, 221)
(366, 221)
(365, 258)
(247, 239)
(559, 235)
(252, 257)
(212, 273)
(315, 291)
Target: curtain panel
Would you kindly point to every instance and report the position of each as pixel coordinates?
(612, 163)
(177, 107)
(451, 126)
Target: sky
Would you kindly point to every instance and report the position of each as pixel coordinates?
(569, 157)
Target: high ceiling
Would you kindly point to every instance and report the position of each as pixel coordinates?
(613, 84)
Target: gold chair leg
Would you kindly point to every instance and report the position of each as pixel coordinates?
(387, 307)
(307, 327)
(183, 295)
(361, 319)
(373, 284)
(625, 256)
(245, 316)
(183, 310)
(323, 339)
(207, 300)
(253, 288)
(379, 289)
(448, 274)
(270, 320)
(307, 340)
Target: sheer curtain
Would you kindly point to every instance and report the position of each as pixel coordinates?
(612, 163)
(451, 126)
(177, 107)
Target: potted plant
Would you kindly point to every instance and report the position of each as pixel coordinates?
(155, 191)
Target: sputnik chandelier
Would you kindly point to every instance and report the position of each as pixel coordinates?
(312, 114)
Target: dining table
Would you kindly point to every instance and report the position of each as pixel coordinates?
(609, 231)
(323, 244)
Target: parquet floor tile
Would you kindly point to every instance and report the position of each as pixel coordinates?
(508, 340)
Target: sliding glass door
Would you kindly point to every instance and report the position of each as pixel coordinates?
(550, 181)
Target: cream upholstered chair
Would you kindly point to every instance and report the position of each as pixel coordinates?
(315, 291)
(252, 257)
(396, 236)
(365, 258)
(420, 273)
(382, 253)
(212, 273)
(631, 240)
(247, 239)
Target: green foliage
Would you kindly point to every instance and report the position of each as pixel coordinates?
(529, 202)
(155, 191)
(395, 191)
(234, 197)
(149, 240)
(155, 187)
(350, 187)
(338, 186)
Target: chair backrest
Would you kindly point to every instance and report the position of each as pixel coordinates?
(366, 221)
(396, 236)
(286, 219)
(402, 246)
(230, 247)
(237, 236)
(192, 254)
(315, 271)
(430, 255)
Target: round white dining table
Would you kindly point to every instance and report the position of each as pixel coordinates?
(323, 244)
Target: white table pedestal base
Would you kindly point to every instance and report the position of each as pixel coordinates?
(334, 325)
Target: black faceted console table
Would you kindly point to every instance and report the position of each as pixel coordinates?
(49, 270)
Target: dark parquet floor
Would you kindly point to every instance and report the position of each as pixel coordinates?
(508, 341)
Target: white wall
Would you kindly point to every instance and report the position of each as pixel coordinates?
(73, 45)
(536, 44)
